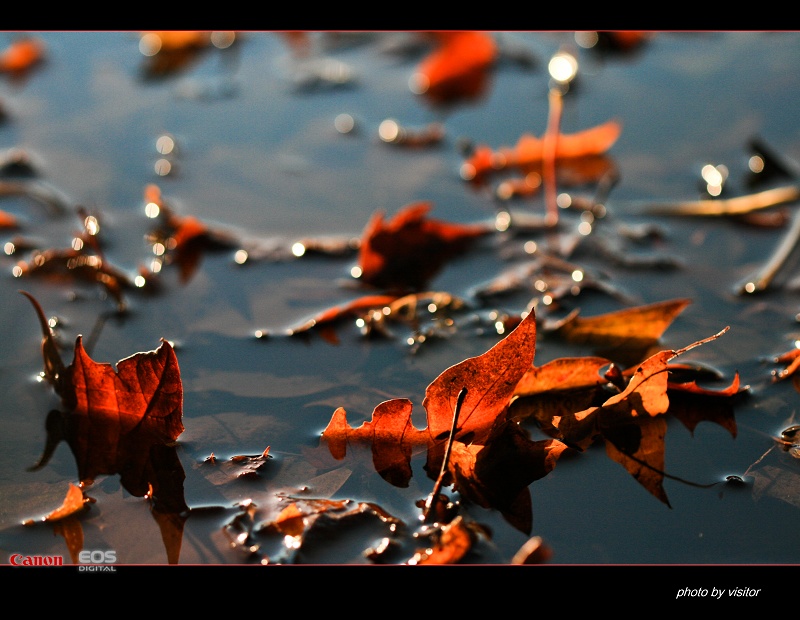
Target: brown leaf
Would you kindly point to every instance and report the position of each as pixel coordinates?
(302, 518)
(453, 543)
(74, 502)
(497, 475)
(623, 336)
(490, 379)
(390, 433)
(83, 265)
(186, 238)
(144, 393)
(631, 422)
(558, 388)
(563, 374)
(408, 250)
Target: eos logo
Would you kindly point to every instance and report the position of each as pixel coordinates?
(97, 558)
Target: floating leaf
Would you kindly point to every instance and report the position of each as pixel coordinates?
(7, 220)
(631, 422)
(22, 54)
(453, 542)
(408, 250)
(458, 68)
(74, 502)
(490, 379)
(529, 151)
(184, 239)
(623, 336)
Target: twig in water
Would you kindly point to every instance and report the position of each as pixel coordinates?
(729, 206)
(764, 277)
(429, 503)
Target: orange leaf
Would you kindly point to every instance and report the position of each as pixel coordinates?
(529, 150)
(625, 335)
(73, 503)
(22, 54)
(566, 373)
(390, 433)
(458, 67)
(7, 220)
(144, 392)
(350, 309)
(490, 380)
(408, 250)
(453, 544)
(172, 40)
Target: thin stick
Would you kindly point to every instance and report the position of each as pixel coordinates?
(438, 486)
(549, 150)
(729, 206)
(764, 277)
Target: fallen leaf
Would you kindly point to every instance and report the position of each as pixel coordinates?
(22, 54)
(390, 433)
(144, 393)
(183, 240)
(454, 541)
(354, 308)
(631, 422)
(74, 502)
(558, 388)
(169, 40)
(498, 474)
(458, 67)
(408, 250)
(122, 421)
(490, 379)
(170, 51)
(303, 521)
(492, 460)
(623, 336)
(7, 220)
(528, 153)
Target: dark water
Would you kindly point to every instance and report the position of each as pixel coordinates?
(258, 155)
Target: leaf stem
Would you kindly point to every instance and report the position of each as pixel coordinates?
(439, 481)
